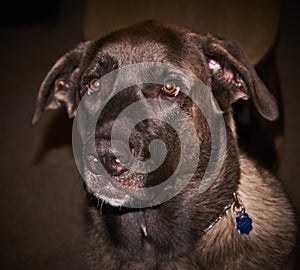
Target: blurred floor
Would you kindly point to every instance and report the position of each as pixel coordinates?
(41, 196)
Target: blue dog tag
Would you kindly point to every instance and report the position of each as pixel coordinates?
(243, 223)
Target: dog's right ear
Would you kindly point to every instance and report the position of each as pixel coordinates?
(60, 86)
(235, 77)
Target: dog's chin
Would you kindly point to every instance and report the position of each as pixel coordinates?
(111, 191)
(108, 195)
(114, 202)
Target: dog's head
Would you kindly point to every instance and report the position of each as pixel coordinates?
(219, 64)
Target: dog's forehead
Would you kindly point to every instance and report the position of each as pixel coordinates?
(149, 41)
(127, 51)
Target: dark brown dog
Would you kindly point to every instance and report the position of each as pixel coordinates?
(192, 230)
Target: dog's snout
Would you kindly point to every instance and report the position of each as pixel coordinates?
(115, 159)
(112, 164)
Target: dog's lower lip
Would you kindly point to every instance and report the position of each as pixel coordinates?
(114, 197)
(115, 200)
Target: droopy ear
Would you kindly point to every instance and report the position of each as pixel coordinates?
(59, 88)
(232, 71)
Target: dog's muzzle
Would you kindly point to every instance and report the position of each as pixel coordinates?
(115, 160)
(147, 159)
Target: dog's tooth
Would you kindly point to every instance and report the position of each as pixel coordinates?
(117, 160)
(144, 229)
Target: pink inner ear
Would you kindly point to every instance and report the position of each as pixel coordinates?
(225, 73)
(214, 65)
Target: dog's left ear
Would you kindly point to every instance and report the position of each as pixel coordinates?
(60, 86)
(231, 70)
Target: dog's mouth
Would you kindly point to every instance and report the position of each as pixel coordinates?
(119, 173)
(115, 161)
(108, 176)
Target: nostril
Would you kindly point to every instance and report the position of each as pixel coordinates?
(114, 159)
(93, 163)
(90, 158)
(113, 165)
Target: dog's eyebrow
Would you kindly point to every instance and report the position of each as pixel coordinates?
(100, 65)
(186, 79)
(94, 69)
(100, 58)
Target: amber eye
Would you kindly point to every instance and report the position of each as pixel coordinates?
(94, 85)
(170, 88)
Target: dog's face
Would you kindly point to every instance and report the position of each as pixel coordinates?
(220, 65)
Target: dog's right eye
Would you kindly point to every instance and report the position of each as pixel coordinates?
(94, 85)
(171, 89)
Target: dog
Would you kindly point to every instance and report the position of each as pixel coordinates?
(241, 220)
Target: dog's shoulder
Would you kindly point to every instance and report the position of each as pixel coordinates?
(272, 237)
(263, 195)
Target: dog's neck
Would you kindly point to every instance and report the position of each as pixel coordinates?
(214, 222)
(239, 212)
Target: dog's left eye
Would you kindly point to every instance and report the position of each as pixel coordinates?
(94, 85)
(171, 89)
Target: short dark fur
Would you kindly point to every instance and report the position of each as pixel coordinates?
(176, 236)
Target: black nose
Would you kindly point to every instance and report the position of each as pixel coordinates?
(115, 160)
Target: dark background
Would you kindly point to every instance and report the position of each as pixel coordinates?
(42, 216)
